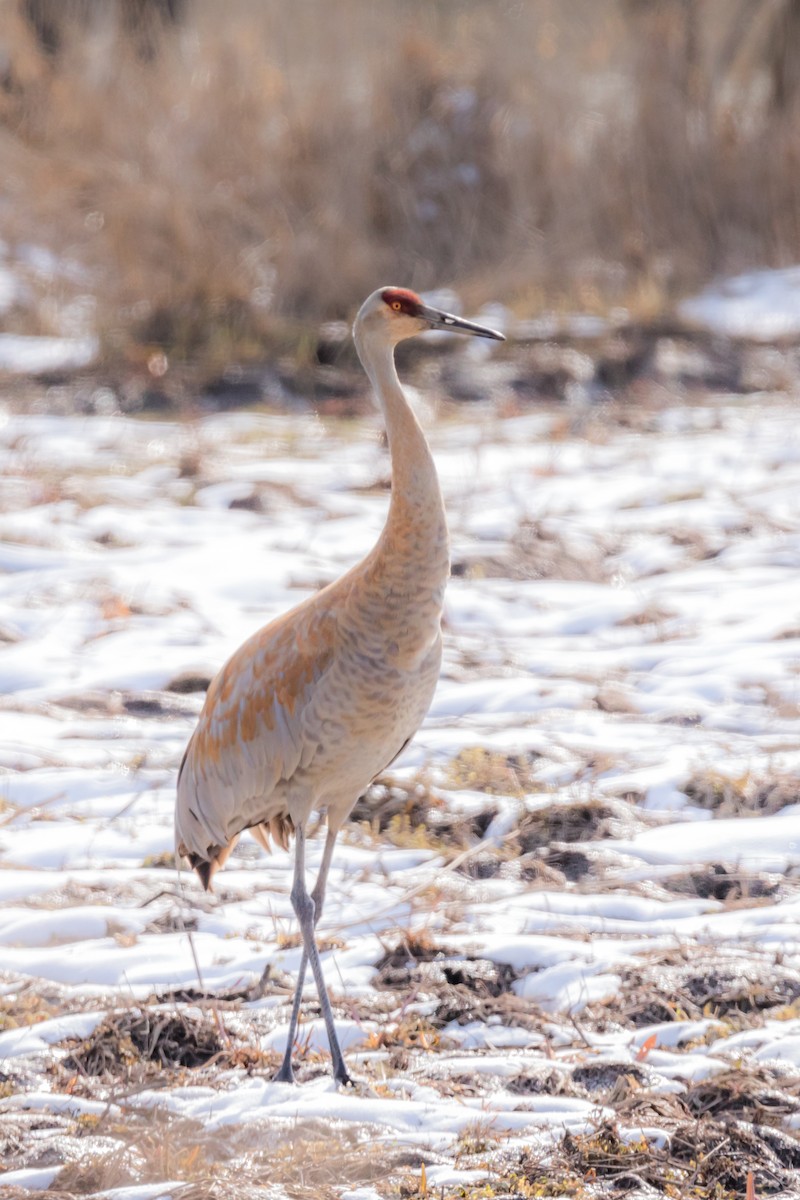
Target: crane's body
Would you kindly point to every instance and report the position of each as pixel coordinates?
(313, 706)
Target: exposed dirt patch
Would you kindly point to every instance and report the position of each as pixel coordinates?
(414, 947)
(600, 1078)
(166, 1039)
(717, 985)
(416, 815)
(754, 1093)
(577, 821)
(417, 960)
(730, 883)
(546, 1082)
(708, 1158)
(187, 683)
(573, 864)
(466, 987)
(730, 797)
(155, 704)
(476, 975)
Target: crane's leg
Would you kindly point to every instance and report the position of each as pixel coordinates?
(307, 914)
(286, 1074)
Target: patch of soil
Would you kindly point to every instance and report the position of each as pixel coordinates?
(579, 821)
(467, 988)
(573, 864)
(168, 1039)
(414, 813)
(599, 1078)
(728, 883)
(463, 1004)
(551, 1082)
(487, 864)
(431, 969)
(155, 704)
(705, 1157)
(731, 797)
(188, 682)
(752, 1093)
(719, 986)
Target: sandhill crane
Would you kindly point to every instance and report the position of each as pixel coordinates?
(312, 707)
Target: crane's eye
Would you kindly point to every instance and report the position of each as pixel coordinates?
(396, 305)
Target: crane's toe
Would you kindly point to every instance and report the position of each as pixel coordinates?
(285, 1074)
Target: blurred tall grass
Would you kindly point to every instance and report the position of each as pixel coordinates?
(256, 163)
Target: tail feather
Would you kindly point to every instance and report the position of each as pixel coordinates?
(207, 866)
(278, 828)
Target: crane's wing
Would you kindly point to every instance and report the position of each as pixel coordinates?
(252, 734)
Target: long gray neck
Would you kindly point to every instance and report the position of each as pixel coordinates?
(416, 529)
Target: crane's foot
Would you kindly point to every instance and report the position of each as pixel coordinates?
(284, 1074)
(356, 1086)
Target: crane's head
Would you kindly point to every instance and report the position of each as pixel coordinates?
(399, 314)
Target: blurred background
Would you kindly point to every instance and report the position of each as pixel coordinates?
(192, 184)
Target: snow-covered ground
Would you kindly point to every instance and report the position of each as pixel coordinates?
(600, 819)
(75, 344)
(759, 305)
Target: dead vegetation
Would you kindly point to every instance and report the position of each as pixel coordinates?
(708, 1158)
(151, 1146)
(731, 797)
(539, 551)
(203, 196)
(539, 846)
(576, 821)
(415, 814)
(713, 1130)
(759, 1094)
(736, 992)
(733, 884)
(165, 1039)
(466, 988)
(719, 1159)
(28, 1005)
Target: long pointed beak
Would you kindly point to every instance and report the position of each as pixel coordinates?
(443, 320)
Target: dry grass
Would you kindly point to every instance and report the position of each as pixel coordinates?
(413, 814)
(674, 987)
(742, 796)
(153, 1146)
(491, 771)
(706, 1158)
(718, 1128)
(165, 1039)
(466, 989)
(263, 163)
(28, 1005)
(576, 821)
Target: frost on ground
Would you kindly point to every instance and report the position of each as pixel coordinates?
(561, 935)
